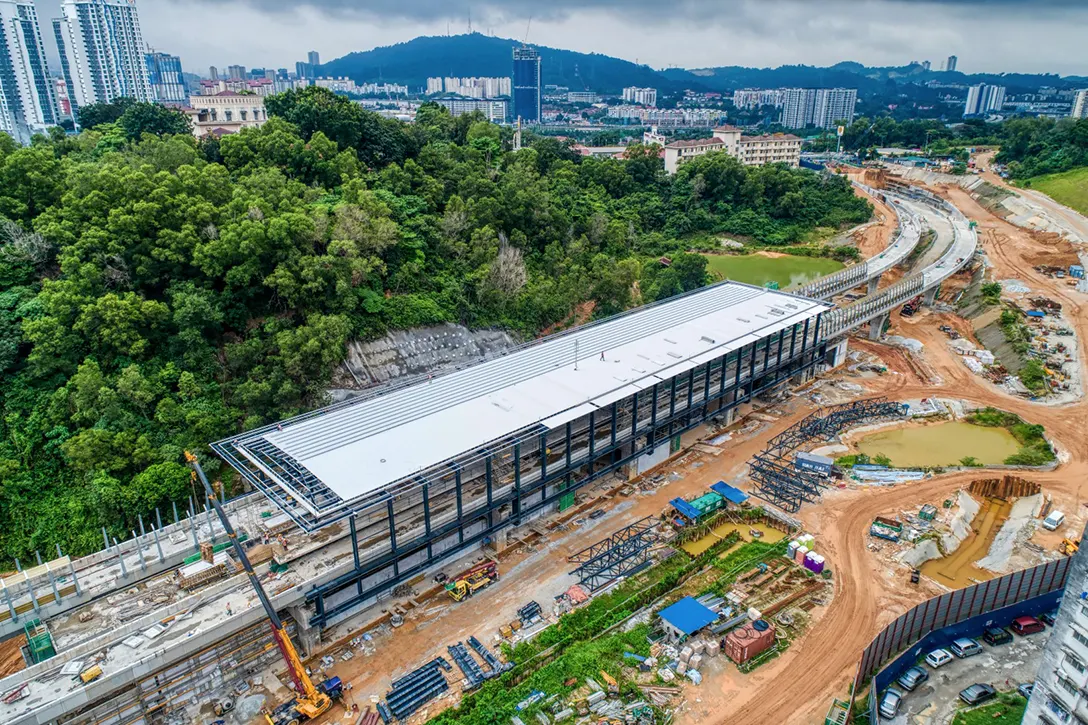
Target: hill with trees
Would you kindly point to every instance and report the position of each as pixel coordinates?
(157, 293)
(475, 54)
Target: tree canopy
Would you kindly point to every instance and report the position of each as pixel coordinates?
(157, 293)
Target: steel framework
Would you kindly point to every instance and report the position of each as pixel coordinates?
(621, 553)
(508, 481)
(785, 485)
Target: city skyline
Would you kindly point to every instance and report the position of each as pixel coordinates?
(884, 32)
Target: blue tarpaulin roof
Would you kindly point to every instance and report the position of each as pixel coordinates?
(688, 615)
(686, 509)
(733, 495)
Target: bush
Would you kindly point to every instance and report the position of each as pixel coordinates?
(991, 293)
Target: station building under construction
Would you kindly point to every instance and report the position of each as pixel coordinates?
(424, 470)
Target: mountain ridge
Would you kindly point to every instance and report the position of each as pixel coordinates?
(475, 54)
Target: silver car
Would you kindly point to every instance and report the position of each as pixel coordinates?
(889, 705)
(912, 678)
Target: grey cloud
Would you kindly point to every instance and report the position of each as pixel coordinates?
(677, 11)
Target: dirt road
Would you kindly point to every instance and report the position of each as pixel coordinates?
(797, 687)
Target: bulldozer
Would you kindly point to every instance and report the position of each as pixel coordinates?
(311, 701)
(469, 582)
(1069, 546)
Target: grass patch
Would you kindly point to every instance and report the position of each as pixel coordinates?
(1009, 708)
(1035, 449)
(758, 269)
(1069, 187)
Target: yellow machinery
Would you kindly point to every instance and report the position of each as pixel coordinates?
(469, 582)
(1069, 547)
(311, 701)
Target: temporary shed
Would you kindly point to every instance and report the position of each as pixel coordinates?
(685, 618)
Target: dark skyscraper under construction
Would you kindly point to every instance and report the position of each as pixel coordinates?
(526, 84)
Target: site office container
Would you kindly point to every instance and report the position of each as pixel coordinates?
(751, 640)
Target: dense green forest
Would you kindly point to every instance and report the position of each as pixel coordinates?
(157, 293)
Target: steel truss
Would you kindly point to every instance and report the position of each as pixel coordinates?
(779, 481)
(622, 552)
(677, 406)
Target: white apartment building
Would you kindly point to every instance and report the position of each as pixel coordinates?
(749, 150)
(1080, 104)
(475, 87)
(583, 97)
(225, 112)
(102, 51)
(1060, 696)
(819, 107)
(983, 99)
(337, 85)
(27, 101)
(756, 97)
(495, 110)
(641, 96)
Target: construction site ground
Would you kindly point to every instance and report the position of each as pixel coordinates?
(797, 686)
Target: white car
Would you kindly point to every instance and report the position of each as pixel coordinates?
(938, 658)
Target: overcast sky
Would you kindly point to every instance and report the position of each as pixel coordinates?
(987, 35)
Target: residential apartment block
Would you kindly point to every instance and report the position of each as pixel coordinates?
(1080, 104)
(756, 97)
(494, 109)
(165, 76)
(476, 87)
(819, 107)
(983, 99)
(749, 150)
(1060, 696)
(27, 100)
(641, 96)
(102, 51)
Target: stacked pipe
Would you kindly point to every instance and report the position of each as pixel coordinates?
(412, 691)
(492, 661)
(530, 610)
(464, 660)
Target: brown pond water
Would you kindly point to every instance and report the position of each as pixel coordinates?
(771, 536)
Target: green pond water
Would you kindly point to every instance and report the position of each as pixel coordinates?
(940, 445)
(757, 269)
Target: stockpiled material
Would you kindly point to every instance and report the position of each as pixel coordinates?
(749, 641)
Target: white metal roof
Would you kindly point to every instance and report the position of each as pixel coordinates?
(360, 448)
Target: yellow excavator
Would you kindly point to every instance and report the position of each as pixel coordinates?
(311, 701)
(1069, 546)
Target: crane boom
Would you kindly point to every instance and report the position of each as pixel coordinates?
(317, 701)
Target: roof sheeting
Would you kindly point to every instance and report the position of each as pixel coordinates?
(688, 615)
(731, 494)
(357, 448)
(686, 510)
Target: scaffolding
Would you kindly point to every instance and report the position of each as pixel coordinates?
(784, 484)
(39, 643)
(622, 553)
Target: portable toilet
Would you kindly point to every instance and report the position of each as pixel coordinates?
(1077, 271)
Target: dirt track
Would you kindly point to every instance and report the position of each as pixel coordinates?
(799, 687)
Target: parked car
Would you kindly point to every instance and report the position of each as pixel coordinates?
(938, 658)
(1049, 618)
(1024, 626)
(889, 704)
(912, 678)
(994, 636)
(1025, 689)
(980, 692)
(965, 647)
(1053, 521)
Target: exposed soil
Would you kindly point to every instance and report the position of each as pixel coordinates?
(799, 685)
